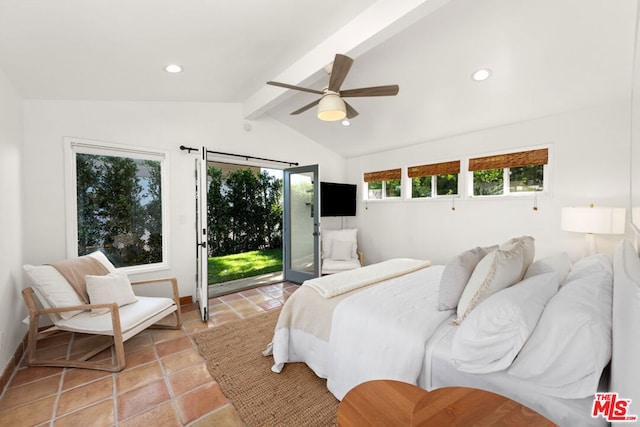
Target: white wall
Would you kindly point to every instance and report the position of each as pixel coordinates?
(12, 308)
(589, 162)
(155, 124)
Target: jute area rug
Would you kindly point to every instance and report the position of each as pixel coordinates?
(294, 397)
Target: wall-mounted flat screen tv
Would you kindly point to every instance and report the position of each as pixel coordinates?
(337, 199)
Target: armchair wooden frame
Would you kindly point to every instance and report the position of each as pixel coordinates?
(118, 336)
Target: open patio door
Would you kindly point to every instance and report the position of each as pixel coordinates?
(202, 256)
(301, 216)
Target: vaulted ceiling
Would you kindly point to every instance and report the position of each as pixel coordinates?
(546, 56)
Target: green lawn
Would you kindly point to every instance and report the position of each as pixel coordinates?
(247, 264)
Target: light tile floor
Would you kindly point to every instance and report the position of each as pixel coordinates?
(165, 382)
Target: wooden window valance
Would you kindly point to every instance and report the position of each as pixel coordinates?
(443, 168)
(383, 175)
(510, 160)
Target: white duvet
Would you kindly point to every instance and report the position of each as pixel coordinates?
(380, 333)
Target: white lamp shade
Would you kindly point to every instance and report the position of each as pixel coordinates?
(596, 220)
(331, 108)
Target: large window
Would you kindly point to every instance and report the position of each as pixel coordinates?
(383, 184)
(433, 180)
(509, 174)
(119, 205)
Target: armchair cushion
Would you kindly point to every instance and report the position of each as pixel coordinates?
(342, 250)
(345, 235)
(53, 289)
(130, 316)
(330, 266)
(113, 287)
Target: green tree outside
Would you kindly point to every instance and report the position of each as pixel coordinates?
(119, 208)
(244, 211)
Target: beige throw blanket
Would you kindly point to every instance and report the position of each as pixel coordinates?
(346, 281)
(75, 271)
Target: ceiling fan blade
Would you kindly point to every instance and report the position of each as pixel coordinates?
(389, 90)
(351, 112)
(306, 107)
(339, 70)
(288, 86)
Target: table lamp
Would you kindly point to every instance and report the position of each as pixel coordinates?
(593, 220)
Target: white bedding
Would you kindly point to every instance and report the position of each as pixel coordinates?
(440, 372)
(307, 321)
(338, 284)
(390, 344)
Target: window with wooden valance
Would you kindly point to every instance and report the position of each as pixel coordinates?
(383, 175)
(510, 160)
(434, 169)
(383, 184)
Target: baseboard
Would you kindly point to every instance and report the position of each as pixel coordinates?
(14, 361)
(186, 300)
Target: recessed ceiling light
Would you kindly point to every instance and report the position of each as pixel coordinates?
(346, 122)
(173, 68)
(481, 74)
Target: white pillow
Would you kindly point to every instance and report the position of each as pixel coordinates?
(456, 274)
(103, 260)
(571, 345)
(347, 235)
(341, 250)
(587, 265)
(529, 249)
(113, 287)
(494, 332)
(54, 288)
(560, 263)
(497, 270)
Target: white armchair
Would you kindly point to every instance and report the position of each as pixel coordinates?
(340, 250)
(115, 318)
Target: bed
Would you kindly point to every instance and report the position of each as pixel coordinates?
(401, 328)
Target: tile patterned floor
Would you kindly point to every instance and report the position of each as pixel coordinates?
(165, 383)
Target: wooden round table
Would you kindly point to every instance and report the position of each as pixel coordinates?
(394, 403)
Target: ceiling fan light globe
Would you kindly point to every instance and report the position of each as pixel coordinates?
(331, 108)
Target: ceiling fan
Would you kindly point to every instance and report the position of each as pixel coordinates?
(331, 106)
